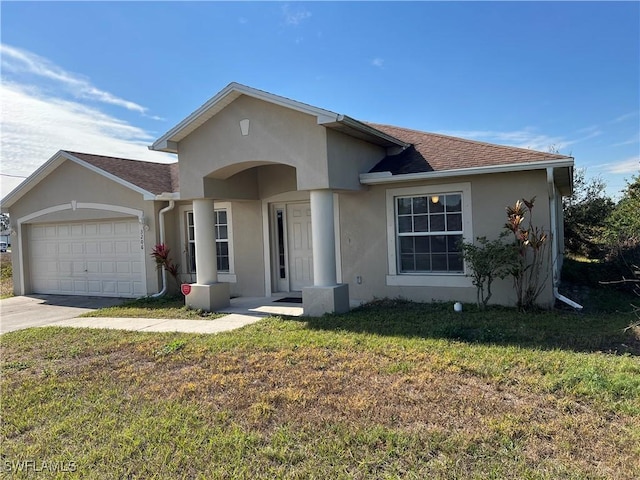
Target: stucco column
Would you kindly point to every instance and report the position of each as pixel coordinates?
(323, 237)
(204, 225)
(326, 296)
(207, 293)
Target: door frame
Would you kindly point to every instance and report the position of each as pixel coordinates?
(269, 207)
(279, 238)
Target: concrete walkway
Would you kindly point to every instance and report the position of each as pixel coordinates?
(17, 313)
(222, 324)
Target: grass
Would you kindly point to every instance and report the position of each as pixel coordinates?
(391, 390)
(6, 276)
(165, 307)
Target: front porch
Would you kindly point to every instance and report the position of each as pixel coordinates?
(303, 262)
(264, 306)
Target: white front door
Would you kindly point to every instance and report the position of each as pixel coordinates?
(291, 248)
(299, 245)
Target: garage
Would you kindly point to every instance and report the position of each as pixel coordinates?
(97, 258)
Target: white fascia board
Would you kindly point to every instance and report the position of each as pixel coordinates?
(386, 177)
(168, 196)
(147, 195)
(363, 127)
(168, 142)
(32, 180)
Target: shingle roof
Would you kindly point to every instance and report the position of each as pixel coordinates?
(154, 177)
(428, 152)
(433, 152)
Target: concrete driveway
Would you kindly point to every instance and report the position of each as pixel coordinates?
(17, 313)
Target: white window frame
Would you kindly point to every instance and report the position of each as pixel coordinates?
(226, 276)
(427, 279)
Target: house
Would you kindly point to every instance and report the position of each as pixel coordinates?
(272, 196)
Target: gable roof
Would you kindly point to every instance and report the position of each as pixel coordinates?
(169, 141)
(147, 178)
(156, 178)
(434, 152)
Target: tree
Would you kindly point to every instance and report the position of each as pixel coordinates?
(623, 223)
(585, 213)
(622, 227)
(5, 222)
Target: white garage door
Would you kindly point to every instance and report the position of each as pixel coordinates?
(102, 258)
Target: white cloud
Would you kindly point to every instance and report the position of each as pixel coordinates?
(630, 165)
(525, 138)
(377, 62)
(17, 61)
(294, 16)
(624, 117)
(35, 126)
(634, 139)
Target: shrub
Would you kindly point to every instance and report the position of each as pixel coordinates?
(488, 260)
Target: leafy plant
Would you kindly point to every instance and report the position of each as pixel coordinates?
(488, 260)
(529, 273)
(171, 347)
(160, 254)
(585, 212)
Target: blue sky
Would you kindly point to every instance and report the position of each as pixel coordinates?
(111, 77)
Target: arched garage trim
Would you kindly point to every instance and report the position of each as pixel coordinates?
(73, 205)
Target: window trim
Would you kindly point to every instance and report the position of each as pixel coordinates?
(228, 277)
(426, 279)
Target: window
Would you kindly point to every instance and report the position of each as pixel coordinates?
(222, 241)
(425, 225)
(429, 229)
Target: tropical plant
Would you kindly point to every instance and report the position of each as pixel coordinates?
(529, 273)
(488, 260)
(160, 254)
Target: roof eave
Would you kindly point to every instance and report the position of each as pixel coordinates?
(377, 178)
(364, 131)
(60, 156)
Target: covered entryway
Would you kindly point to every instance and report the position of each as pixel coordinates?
(98, 258)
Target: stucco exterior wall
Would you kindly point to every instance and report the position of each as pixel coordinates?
(248, 249)
(363, 234)
(73, 183)
(349, 157)
(276, 135)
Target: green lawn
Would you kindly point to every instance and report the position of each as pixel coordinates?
(392, 390)
(148, 307)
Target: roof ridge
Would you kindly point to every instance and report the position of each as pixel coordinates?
(477, 142)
